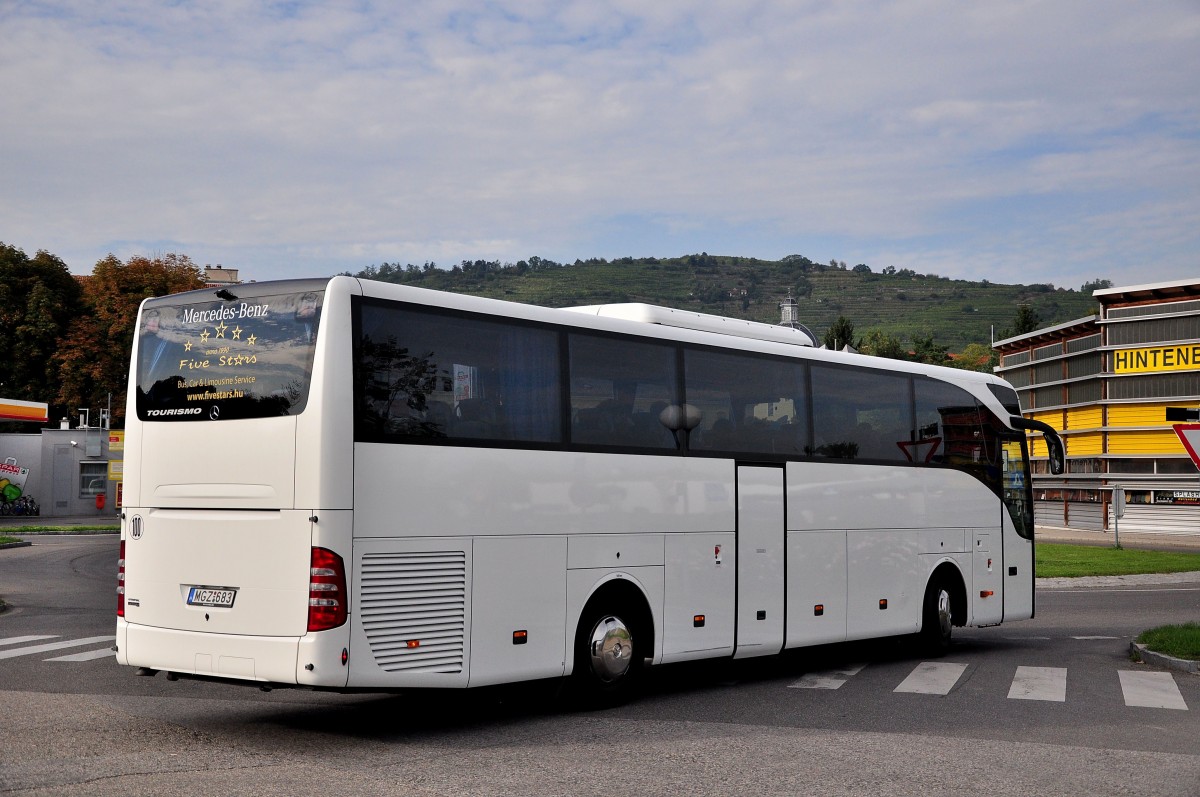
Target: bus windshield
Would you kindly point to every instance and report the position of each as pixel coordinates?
(219, 360)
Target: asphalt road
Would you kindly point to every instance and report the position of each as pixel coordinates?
(1032, 708)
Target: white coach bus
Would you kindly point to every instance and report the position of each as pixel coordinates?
(347, 484)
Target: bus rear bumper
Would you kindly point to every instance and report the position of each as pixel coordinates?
(247, 658)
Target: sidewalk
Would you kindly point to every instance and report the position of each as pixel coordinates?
(1150, 541)
(104, 519)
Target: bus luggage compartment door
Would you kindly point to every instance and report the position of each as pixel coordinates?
(760, 561)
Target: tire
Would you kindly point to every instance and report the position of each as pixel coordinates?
(937, 618)
(608, 656)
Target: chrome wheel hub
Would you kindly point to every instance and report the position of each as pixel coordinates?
(611, 649)
(943, 612)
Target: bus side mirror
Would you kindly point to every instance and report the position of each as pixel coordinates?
(1054, 443)
(1058, 457)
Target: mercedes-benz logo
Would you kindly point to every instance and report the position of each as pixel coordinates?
(214, 412)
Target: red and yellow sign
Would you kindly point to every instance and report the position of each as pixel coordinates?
(1156, 358)
(13, 410)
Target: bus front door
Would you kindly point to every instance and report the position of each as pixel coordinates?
(760, 561)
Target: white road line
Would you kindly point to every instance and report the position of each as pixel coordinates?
(1090, 638)
(1151, 689)
(827, 679)
(932, 678)
(70, 643)
(1039, 683)
(17, 640)
(89, 655)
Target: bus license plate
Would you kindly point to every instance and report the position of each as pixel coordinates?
(220, 597)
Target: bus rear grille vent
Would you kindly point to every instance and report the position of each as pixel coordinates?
(414, 610)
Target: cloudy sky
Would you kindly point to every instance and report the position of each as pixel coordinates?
(1018, 141)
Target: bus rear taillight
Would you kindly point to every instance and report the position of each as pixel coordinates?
(121, 581)
(327, 596)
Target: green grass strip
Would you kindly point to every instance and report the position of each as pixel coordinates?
(5, 540)
(60, 529)
(1073, 561)
(1180, 641)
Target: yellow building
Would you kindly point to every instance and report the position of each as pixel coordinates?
(1105, 382)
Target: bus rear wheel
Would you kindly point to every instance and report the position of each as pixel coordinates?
(608, 657)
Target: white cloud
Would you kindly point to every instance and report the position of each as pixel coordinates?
(333, 136)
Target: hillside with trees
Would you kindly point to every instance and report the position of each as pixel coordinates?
(898, 307)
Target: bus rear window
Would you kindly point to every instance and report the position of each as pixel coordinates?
(222, 360)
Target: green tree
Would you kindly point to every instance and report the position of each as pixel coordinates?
(39, 298)
(976, 357)
(841, 334)
(93, 355)
(1026, 321)
(926, 351)
(1095, 285)
(880, 344)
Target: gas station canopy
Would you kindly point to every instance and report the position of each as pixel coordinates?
(13, 410)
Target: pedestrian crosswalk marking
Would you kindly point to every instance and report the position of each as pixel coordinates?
(827, 679)
(932, 678)
(1151, 690)
(20, 640)
(87, 655)
(1039, 683)
(70, 643)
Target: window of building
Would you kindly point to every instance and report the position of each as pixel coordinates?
(1176, 467)
(93, 479)
(1044, 352)
(1131, 466)
(1087, 365)
(1048, 372)
(1083, 392)
(1156, 386)
(1047, 396)
(1157, 331)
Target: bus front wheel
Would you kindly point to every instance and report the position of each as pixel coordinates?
(937, 617)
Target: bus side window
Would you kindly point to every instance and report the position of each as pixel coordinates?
(859, 414)
(618, 390)
(948, 429)
(423, 375)
(751, 405)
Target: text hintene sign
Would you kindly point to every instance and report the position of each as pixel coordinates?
(1156, 358)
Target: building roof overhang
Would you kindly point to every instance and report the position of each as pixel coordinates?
(1069, 329)
(1157, 291)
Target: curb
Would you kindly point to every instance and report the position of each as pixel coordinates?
(1163, 660)
(21, 544)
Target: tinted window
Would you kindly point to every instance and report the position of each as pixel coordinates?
(1007, 397)
(217, 360)
(619, 390)
(421, 375)
(948, 429)
(747, 404)
(860, 414)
